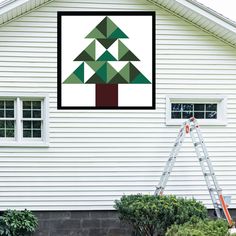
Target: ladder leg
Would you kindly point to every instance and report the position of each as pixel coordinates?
(209, 175)
(171, 161)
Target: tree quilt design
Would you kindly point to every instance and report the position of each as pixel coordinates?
(96, 65)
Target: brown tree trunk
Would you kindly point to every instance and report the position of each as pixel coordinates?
(106, 95)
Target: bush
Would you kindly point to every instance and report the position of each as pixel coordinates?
(17, 223)
(200, 228)
(151, 215)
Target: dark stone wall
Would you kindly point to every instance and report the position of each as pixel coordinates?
(86, 223)
(80, 223)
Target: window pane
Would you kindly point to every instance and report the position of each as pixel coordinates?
(10, 124)
(26, 124)
(26, 133)
(211, 115)
(199, 115)
(176, 115)
(187, 107)
(187, 115)
(198, 107)
(211, 107)
(37, 105)
(26, 113)
(10, 113)
(26, 104)
(1, 113)
(2, 124)
(175, 107)
(9, 104)
(10, 133)
(2, 133)
(36, 114)
(1, 104)
(37, 124)
(37, 133)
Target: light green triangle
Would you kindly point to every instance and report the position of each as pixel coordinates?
(95, 65)
(77, 77)
(91, 49)
(72, 79)
(111, 72)
(106, 56)
(122, 50)
(111, 27)
(125, 72)
(96, 34)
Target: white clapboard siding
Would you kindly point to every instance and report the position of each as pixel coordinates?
(94, 157)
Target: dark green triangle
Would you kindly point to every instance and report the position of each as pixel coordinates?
(77, 77)
(84, 56)
(118, 33)
(96, 34)
(140, 79)
(136, 77)
(102, 27)
(106, 42)
(95, 79)
(106, 29)
(118, 79)
(133, 71)
(129, 56)
(102, 72)
(106, 56)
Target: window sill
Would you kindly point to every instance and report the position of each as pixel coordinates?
(200, 122)
(24, 144)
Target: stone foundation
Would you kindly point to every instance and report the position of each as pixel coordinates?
(80, 223)
(86, 223)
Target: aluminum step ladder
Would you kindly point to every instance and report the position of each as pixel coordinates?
(191, 126)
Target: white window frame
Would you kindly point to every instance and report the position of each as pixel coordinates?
(221, 101)
(19, 141)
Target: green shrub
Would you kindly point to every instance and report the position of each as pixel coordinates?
(200, 228)
(4, 230)
(17, 223)
(151, 215)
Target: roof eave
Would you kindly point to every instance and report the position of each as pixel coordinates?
(223, 25)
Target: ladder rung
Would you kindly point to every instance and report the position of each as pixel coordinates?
(197, 143)
(209, 174)
(213, 189)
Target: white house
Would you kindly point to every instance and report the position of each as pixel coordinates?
(63, 161)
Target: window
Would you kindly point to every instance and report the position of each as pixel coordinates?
(209, 110)
(23, 121)
(7, 119)
(198, 110)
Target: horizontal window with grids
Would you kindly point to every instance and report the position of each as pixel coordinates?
(197, 110)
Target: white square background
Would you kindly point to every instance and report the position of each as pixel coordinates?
(139, 41)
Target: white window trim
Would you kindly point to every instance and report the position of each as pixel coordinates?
(19, 141)
(221, 101)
